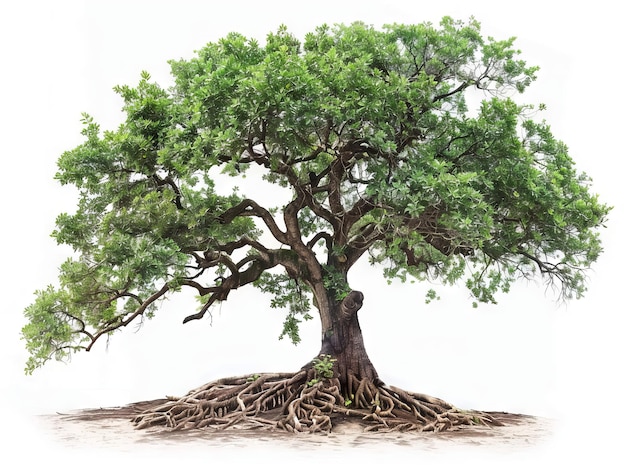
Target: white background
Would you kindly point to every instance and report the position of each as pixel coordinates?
(527, 354)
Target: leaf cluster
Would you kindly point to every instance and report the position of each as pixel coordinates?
(323, 367)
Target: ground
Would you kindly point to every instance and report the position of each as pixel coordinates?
(112, 428)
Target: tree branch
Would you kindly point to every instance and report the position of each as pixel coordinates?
(544, 267)
(249, 207)
(138, 312)
(321, 235)
(256, 266)
(172, 184)
(458, 89)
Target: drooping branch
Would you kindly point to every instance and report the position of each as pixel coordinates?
(544, 267)
(412, 259)
(82, 326)
(127, 320)
(555, 271)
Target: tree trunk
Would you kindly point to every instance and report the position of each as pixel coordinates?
(343, 341)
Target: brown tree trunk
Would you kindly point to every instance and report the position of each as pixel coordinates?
(343, 341)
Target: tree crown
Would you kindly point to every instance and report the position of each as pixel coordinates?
(403, 143)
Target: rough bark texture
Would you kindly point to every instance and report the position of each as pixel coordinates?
(340, 382)
(344, 342)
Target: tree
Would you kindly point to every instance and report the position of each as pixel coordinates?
(404, 144)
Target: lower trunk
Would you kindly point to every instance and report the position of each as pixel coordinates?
(343, 341)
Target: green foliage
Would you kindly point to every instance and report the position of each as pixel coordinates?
(431, 295)
(287, 293)
(371, 135)
(50, 331)
(323, 366)
(335, 283)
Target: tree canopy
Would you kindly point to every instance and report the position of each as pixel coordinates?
(403, 144)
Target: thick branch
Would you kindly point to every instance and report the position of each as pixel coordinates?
(321, 235)
(443, 239)
(412, 259)
(234, 281)
(358, 210)
(304, 189)
(256, 265)
(249, 207)
(294, 235)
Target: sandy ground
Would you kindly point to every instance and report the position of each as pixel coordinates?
(110, 429)
(105, 439)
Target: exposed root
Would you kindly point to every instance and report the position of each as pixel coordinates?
(298, 402)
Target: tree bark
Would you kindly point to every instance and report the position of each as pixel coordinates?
(343, 341)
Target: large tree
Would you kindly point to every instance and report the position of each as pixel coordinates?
(402, 144)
